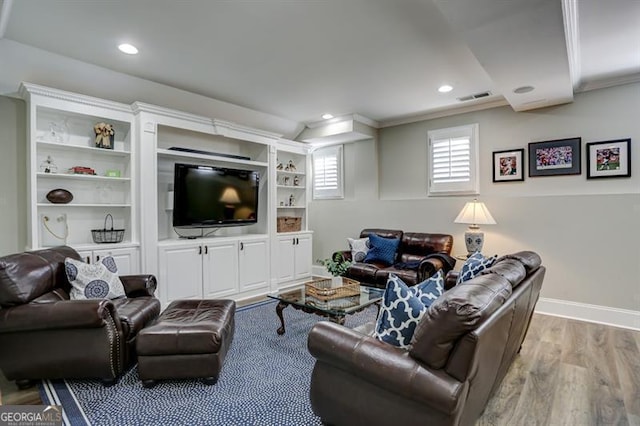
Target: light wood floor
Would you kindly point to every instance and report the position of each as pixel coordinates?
(568, 373)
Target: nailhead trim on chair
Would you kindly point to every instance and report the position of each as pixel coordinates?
(113, 336)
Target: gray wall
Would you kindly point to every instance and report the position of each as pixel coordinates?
(587, 231)
(13, 177)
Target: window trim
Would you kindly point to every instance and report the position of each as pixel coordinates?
(471, 187)
(332, 194)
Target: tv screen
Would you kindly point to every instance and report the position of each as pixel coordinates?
(206, 196)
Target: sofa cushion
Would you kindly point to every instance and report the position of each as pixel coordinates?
(510, 269)
(359, 248)
(363, 272)
(530, 260)
(382, 250)
(456, 312)
(474, 264)
(94, 281)
(400, 313)
(409, 276)
(422, 244)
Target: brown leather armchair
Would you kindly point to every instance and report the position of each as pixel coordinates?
(45, 335)
(426, 253)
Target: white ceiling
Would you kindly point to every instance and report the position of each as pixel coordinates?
(381, 59)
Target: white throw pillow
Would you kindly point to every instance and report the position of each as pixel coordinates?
(359, 248)
(94, 281)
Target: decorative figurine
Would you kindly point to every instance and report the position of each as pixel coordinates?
(48, 166)
(285, 181)
(296, 181)
(104, 135)
(291, 167)
(292, 200)
(279, 166)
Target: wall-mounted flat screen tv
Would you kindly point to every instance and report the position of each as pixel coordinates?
(206, 196)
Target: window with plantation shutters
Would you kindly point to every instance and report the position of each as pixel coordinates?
(453, 160)
(327, 173)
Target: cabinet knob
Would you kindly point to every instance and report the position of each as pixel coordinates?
(199, 249)
(206, 249)
(241, 246)
(98, 258)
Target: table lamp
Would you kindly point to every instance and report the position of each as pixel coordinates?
(474, 213)
(229, 198)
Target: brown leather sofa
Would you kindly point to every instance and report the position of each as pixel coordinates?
(44, 335)
(428, 252)
(460, 352)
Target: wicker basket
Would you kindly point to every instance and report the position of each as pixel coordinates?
(103, 236)
(322, 289)
(289, 224)
(337, 304)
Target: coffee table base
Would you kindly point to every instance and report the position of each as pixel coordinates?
(337, 318)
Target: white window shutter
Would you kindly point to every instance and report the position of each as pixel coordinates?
(453, 162)
(327, 173)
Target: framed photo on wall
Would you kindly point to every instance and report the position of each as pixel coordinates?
(508, 166)
(555, 158)
(609, 159)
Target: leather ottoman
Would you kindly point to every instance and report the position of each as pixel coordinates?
(188, 340)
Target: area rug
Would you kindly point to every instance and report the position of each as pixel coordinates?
(265, 381)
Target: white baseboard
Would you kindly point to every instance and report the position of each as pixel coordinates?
(623, 318)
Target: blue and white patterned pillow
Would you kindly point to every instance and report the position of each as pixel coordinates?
(430, 289)
(400, 313)
(359, 248)
(475, 264)
(94, 281)
(382, 250)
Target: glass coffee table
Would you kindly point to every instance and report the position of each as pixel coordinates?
(332, 306)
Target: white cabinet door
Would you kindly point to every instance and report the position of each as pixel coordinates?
(254, 269)
(127, 259)
(220, 269)
(302, 256)
(286, 264)
(180, 272)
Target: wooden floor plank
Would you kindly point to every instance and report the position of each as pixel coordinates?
(574, 351)
(571, 399)
(627, 356)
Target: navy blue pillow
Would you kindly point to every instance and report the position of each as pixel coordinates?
(383, 250)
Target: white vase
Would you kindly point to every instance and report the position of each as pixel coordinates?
(336, 282)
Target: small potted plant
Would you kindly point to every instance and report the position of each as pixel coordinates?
(337, 266)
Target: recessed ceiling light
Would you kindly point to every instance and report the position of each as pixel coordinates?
(129, 49)
(523, 89)
(445, 88)
(327, 116)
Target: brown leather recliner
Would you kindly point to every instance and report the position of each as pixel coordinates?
(419, 256)
(45, 335)
(461, 350)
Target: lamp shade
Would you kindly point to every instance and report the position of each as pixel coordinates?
(475, 213)
(230, 196)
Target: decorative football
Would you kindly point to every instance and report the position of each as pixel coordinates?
(59, 196)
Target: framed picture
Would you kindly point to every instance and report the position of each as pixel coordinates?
(508, 166)
(554, 158)
(609, 159)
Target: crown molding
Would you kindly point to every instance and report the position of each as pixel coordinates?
(27, 90)
(5, 12)
(446, 112)
(572, 39)
(138, 107)
(609, 82)
(347, 117)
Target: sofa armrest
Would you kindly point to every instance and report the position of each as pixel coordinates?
(139, 285)
(433, 263)
(384, 366)
(66, 314)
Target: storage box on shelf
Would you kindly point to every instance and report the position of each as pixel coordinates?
(64, 155)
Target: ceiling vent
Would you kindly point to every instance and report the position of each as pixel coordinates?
(475, 96)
